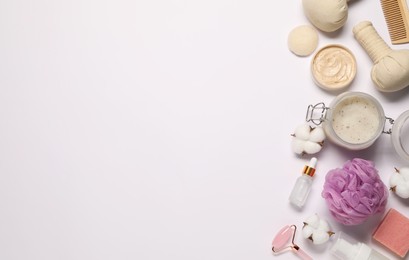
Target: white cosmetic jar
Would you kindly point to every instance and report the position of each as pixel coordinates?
(355, 120)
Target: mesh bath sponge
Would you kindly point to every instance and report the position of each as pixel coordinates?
(354, 192)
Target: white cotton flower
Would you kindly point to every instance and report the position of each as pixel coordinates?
(313, 221)
(311, 147)
(317, 135)
(323, 225)
(303, 132)
(317, 230)
(297, 146)
(399, 182)
(307, 139)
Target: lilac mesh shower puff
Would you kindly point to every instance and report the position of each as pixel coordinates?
(354, 192)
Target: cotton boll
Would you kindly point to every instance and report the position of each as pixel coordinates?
(399, 182)
(297, 146)
(317, 230)
(323, 225)
(402, 191)
(307, 140)
(303, 132)
(307, 231)
(320, 237)
(317, 135)
(313, 221)
(311, 147)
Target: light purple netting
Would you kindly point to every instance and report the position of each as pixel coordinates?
(354, 192)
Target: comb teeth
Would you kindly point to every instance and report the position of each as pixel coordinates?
(395, 12)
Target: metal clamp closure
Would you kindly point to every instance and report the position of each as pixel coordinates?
(316, 113)
(391, 121)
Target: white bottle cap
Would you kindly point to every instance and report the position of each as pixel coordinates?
(347, 248)
(313, 162)
(344, 247)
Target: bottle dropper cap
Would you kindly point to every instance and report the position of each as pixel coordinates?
(309, 169)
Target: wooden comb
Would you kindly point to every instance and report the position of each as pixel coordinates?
(396, 15)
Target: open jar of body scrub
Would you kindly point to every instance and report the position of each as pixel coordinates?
(355, 120)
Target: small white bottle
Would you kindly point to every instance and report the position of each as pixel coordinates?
(347, 248)
(303, 184)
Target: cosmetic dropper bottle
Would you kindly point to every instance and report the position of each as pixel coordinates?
(303, 184)
(347, 248)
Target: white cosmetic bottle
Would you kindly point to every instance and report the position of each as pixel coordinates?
(347, 248)
(303, 184)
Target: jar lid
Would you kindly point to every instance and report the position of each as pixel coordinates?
(400, 135)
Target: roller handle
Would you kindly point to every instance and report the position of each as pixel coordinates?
(302, 254)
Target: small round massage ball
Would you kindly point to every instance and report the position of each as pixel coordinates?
(307, 139)
(399, 182)
(317, 230)
(302, 40)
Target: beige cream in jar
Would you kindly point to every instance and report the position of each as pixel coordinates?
(333, 67)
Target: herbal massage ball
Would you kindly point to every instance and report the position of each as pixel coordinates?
(326, 15)
(354, 192)
(390, 71)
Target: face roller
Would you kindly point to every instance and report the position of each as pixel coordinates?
(282, 239)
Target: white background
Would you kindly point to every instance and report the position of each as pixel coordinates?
(161, 129)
